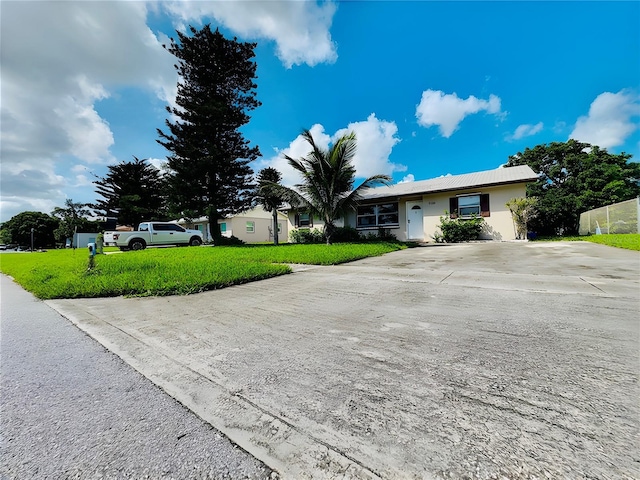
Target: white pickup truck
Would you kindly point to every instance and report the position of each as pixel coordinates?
(153, 234)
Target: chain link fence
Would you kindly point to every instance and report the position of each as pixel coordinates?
(617, 218)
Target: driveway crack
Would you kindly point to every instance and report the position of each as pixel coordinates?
(440, 282)
(594, 286)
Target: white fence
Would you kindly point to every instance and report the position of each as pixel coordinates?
(617, 218)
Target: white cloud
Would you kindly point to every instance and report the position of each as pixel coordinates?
(89, 135)
(297, 148)
(51, 83)
(84, 52)
(526, 130)
(408, 178)
(159, 163)
(375, 139)
(448, 110)
(610, 120)
(33, 186)
(300, 29)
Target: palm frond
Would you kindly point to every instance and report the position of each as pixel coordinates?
(327, 182)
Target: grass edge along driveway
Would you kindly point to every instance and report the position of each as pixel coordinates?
(628, 241)
(170, 271)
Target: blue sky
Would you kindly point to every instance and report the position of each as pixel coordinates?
(430, 88)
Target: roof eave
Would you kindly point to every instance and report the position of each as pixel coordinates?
(452, 189)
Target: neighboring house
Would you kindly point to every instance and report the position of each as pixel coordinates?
(81, 240)
(412, 210)
(252, 226)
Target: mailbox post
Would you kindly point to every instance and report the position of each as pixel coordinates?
(92, 255)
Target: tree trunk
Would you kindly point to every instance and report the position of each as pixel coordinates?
(275, 226)
(214, 227)
(328, 231)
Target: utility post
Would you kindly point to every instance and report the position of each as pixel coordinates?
(32, 239)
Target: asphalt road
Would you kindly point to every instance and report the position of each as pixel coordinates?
(71, 409)
(485, 360)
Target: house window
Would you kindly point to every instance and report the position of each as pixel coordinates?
(304, 219)
(251, 227)
(466, 206)
(223, 227)
(381, 215)
(279, 228)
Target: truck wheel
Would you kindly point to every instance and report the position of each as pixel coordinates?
(195, 242)
(137, 244)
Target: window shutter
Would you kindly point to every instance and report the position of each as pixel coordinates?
(453, 207)
(297, 220)
(310, 220)
(484, 205)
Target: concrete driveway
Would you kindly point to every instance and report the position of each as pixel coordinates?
(482, 360)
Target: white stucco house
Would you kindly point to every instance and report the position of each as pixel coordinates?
(411, 211)
(253, 226)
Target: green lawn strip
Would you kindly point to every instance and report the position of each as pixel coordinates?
(629, 241)
(316, 254)
(168, 271)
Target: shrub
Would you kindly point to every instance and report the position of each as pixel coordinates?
(232, 240)
(459, 230)
(346, 235)
(522, 211)
(306, 236)
(381, 235)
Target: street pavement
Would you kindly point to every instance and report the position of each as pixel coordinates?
(481, 360)
(71, 409)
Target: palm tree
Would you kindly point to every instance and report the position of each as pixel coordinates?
(328, 176)
(268, 196)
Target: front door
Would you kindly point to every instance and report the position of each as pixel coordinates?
(415, 228)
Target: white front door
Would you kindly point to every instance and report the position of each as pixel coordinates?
(415, 228)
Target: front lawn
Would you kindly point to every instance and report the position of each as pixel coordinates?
(169, 271)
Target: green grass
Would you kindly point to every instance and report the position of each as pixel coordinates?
(169, 271)
(629, 241)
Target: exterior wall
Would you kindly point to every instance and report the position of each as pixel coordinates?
(318, 224)
(499, 222)
(262, 226)
(81, 240)
(237, 226)
(200, 224)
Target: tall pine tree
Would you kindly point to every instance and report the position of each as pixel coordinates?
(133, 192)
(209, 161)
